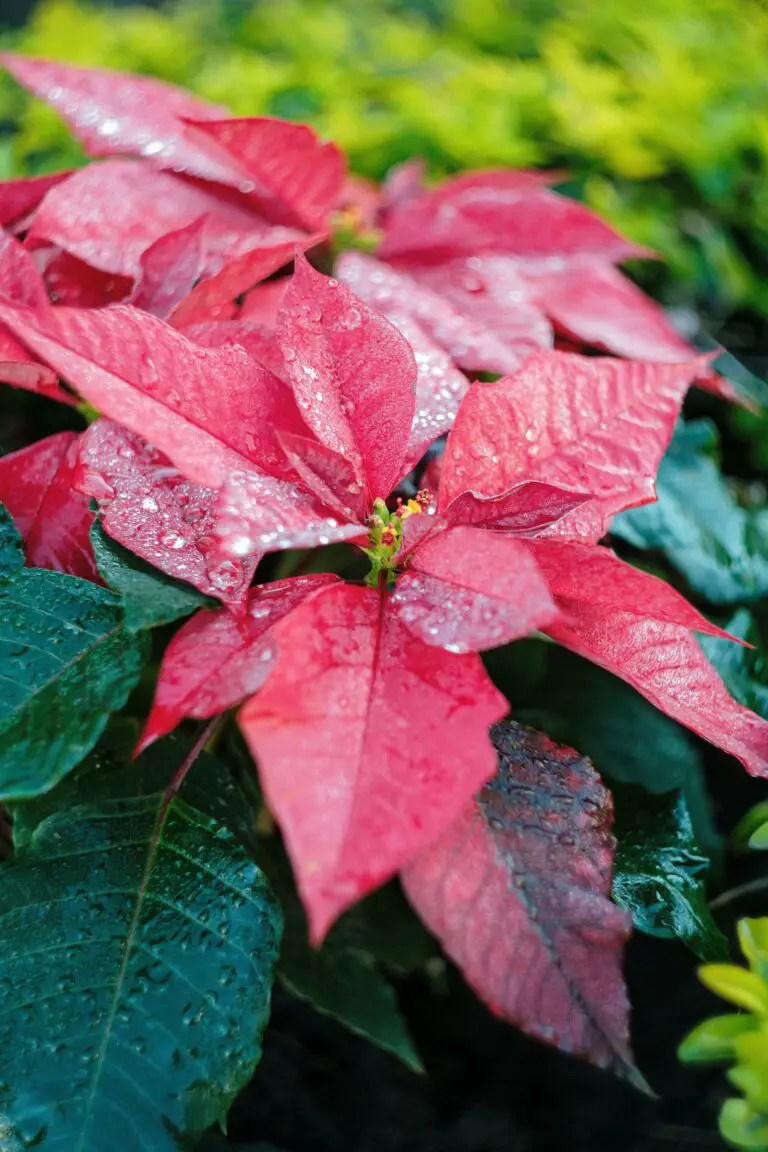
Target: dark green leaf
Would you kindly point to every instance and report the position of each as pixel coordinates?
(719, 547)
(340, 979)
(11, 546)
(660, 873)
(744, 670)
(150, 598)
(139, 943)
(66, 662)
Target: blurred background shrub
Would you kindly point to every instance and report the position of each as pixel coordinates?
(658, 110)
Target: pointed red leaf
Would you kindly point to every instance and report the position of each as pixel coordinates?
(258, 343)
(151, 509)
(468, 341)
(594, 425)
(20, 278)
(170, 268)
(666, 665)
(368, 743)
(466, 590)
(353, 375)
(525, 510)
(263, 303)
(74, 283)
(596, 577)
(597, 305)
(21, 196)
(21, 282)
(108, 214)
(326, 475)
(265, 514)
(211, 410)
(216, 659)
(518, 891)
(292, 175)
(116, 113)
(521, 219)
(53, 518)
(214, 296)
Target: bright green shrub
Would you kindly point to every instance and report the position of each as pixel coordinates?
(659, 110)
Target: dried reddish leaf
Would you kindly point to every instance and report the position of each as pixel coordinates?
(36, 486)
(21, 196)
(216, 659)
(666, 665)
(368, 743)
(353, 375)
(513, 214)
(468, 341)
(116, 113)
(211, 410)
(151, 509)
(517, 888)
(108, 214)
(292, 176)
(587, 424)
(213, 297)
(466, 590)
(170, 268)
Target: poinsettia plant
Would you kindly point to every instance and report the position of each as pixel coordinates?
(358, 436)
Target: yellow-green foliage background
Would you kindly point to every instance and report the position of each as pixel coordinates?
(659, 109)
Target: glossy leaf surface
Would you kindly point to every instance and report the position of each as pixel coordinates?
(517, 889)
(412, 722)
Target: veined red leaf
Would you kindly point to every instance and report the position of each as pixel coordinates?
(151, 509)
(20, 197)
(21, 282)
(597, 305)
(664, 663)
(20, 278)
(327, 475)
(466, 590)
(469, 343)
(36, 486)
(75, 284)
(525, 510)
(293, 176)
(116, 113)
(587, 424)
(523, 220)
(257, 513)
(170, 268)
(108, 214)
(595, 576)
(353, 374)
(216, 659)
(368, 743)
(258, 343)
(518, 887)
(214, 296)
(211, 410)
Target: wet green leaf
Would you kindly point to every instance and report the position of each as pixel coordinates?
(11, 547)
(660, 873)
(150, 598)
(139, 942)
(719, 547)
(66, 662)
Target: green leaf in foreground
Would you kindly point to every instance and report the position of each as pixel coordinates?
(659, 872)
(11, 547)
(139, 942)
(150, 598)
(66, 662)
(719, 547)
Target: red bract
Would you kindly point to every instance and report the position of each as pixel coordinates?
(368, 743)
(36, 486)
(21, 283)
(518, 890)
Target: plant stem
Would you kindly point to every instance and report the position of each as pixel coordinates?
(206, 734)
(732, 894)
